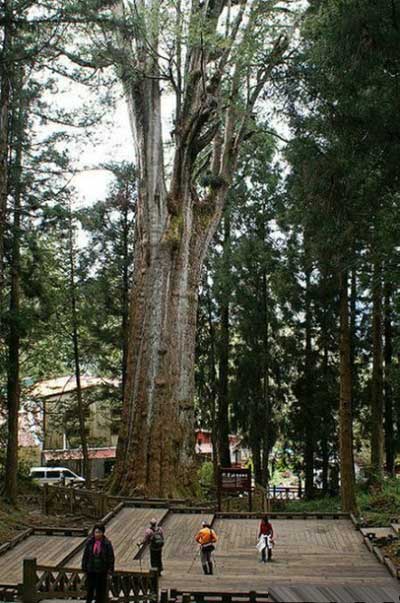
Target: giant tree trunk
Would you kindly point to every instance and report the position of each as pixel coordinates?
(157, 436)
(345, 413)
(388, 391)
(174, 228)
(377, 439)
(173, 231)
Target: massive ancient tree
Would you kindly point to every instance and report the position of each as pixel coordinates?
(214, 58)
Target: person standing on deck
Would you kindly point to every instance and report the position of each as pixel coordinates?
(206, 538)
(98, 563)
(154, 537)
(266, 532)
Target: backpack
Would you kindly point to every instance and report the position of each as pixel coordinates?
(157, 540)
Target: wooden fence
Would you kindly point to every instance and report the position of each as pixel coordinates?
(94, 504)
(88, 503)
(42, 582)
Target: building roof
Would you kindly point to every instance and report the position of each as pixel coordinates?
(67, 384)
(75, 454)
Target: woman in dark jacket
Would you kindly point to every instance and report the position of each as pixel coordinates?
(98, 563)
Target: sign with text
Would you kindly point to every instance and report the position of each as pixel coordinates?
(233, 480)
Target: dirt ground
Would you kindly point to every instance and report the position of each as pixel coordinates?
(28, 514)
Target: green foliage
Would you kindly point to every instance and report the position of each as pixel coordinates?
(206, 477)
(379, 505)
(327, 504)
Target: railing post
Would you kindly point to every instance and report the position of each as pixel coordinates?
(29, 594)
(164, 596)
(287, 493)
(154, 581)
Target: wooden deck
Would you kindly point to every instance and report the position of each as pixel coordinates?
(327, 552)
(125, 530)
(49, 550)
(337, 594)
(313, 560)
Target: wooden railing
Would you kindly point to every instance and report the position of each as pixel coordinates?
(95, 504)
(283, 493)
(43, 582)
(88, 503)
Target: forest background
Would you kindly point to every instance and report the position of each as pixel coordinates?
(297, 345)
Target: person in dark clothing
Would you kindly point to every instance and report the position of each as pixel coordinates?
(98, 563)
(154, 537)
(267, 533)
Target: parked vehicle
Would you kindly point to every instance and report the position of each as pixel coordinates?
(51, 475)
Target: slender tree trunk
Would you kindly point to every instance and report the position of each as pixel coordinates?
(223, 392)
(213, 387)
(13, 368)
(265, 380)
(125, 289)
(353, 321)
(256, 454)
(325, 466)
(325, 427)
(377, 437)
(309, 444)
(388, 357)
(345, 412)
(75, 340)
(353, 343)
(4, 128)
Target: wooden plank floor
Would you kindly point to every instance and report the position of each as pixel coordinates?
(339, 594)
(327, 552)
(50, 550)
(314, 560)
(125, 530)
(180, 530)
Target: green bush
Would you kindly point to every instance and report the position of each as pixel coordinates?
(206, 477)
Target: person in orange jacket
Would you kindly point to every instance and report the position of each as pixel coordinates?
(206, 538)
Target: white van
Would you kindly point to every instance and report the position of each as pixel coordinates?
(51, 475)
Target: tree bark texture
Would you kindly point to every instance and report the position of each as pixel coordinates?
(345, 412)
(377, 437)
